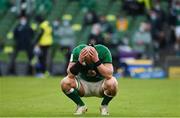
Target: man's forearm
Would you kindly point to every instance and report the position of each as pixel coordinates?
(69, 74)
(105, 71)
(73, 69)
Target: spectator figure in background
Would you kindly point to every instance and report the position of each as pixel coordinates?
(106, 27)
(172, 21)
(122, 24)
(157, 19)
(133, 7)
(67, 40)
(95, 36)
(56, 36)
(24, 7)
(107, 32)
(56, 24)
(125, 52)
(142, 41)
(177, 26)
(90, 18)
(43, 7)
(67, 35)
(23, 35)
(146, 3)
(42, 45)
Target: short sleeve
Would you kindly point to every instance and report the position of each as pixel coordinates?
(107, 58)
(74, 55)
(104, 53)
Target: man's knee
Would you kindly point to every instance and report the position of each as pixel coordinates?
(111, 83)
(111, 86)
(67, 84)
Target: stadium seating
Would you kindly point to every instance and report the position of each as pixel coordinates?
(6, 24)
(72, 10)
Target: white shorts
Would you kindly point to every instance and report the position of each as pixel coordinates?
(90, 88)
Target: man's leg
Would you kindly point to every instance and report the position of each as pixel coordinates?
(73, 90)
(30, 56)
(11, 66)
(69, 87)
(110, 88)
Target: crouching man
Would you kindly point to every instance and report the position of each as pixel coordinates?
(90, 73)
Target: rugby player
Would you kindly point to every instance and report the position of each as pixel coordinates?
(90, 73)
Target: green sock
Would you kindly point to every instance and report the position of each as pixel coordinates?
(106, 100)
(73, 95)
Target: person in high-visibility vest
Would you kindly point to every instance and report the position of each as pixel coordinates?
(147, 3)
(43, 43)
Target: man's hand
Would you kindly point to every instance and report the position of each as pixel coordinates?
(93, 53)
(83, 54)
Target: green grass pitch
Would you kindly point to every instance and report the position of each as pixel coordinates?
(29, 96)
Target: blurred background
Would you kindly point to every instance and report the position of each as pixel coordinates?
(37, 36)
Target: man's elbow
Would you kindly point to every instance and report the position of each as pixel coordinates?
(68, 71)
(109, 75)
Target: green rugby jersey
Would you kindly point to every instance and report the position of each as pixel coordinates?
(89, 72)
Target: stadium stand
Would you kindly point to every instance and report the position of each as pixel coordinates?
(74, 11)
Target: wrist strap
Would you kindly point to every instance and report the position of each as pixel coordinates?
(75, 69)
(98, 63)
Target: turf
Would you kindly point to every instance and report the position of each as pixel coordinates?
(28, 96)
